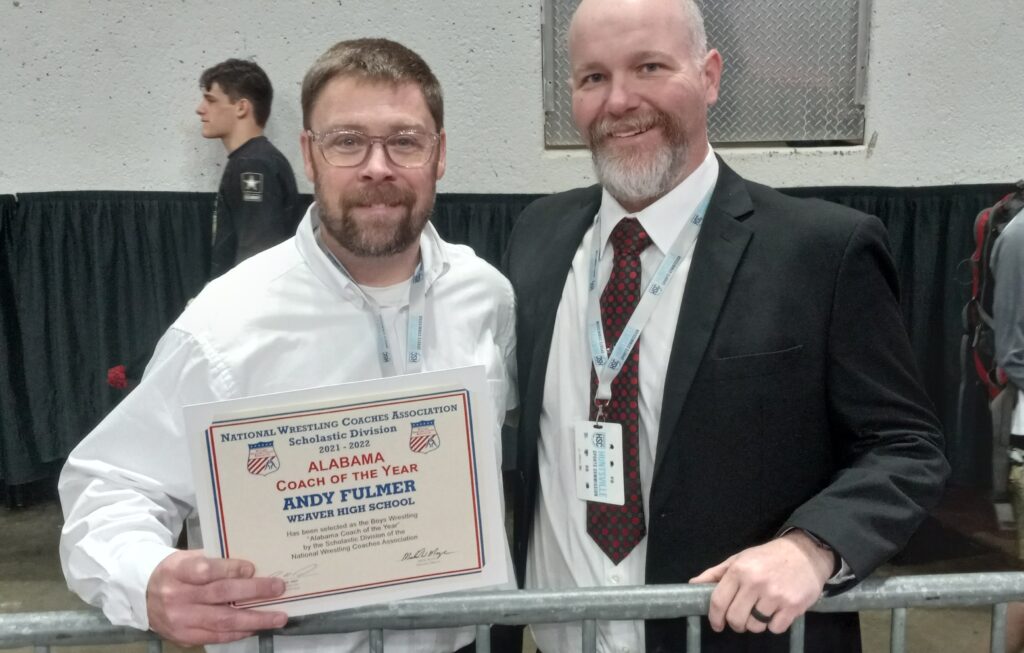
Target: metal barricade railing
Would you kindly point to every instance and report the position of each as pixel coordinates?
(43, 630)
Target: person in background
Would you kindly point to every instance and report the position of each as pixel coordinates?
(257, 202)
(1008, 323)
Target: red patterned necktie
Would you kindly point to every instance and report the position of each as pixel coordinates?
(617, 529)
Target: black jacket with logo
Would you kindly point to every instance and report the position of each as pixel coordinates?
(258, 204)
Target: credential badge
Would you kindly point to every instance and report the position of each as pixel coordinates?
(424, 437)
(262, 459)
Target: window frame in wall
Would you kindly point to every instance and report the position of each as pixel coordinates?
(795, 72)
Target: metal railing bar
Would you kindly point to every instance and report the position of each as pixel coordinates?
(79, 627)
(155, 646)
(693, 634)
(376, 641)
(589, 636)
(796, 635)
(932, 591)
(998, 644)
(266, 643)
(898, 631)
(548, 606)
(483, 638)
(651, 602)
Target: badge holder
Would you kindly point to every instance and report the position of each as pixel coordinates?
(599, 472)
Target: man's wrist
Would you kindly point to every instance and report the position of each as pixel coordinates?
(824, 556)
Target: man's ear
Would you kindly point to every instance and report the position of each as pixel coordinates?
(441, 154)
(712, 76)
(308, 148)
(243, 108)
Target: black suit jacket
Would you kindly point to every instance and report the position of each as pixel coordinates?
(791, 397)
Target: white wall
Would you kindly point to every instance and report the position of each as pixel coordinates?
(100, 95)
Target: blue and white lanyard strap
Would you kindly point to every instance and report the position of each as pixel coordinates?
(414, 334)
(608, 365)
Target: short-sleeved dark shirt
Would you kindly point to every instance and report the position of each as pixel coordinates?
(257, 204)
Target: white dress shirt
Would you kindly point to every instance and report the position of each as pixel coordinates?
(282, 320)
(561, 554)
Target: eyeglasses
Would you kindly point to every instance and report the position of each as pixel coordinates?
(347, 149)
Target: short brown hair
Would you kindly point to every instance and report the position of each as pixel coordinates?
(375, 60)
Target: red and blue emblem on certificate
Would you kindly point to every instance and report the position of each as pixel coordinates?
(423, 438)
(262, 459)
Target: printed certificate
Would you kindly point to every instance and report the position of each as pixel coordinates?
(357, 493)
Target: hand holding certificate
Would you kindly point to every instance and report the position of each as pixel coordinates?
(357, 493)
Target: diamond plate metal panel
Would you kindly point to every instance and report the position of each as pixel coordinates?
(791, 71)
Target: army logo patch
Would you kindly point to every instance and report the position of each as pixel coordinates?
(252, 186)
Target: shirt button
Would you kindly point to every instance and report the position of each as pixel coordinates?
(624, 649)
(614, 578)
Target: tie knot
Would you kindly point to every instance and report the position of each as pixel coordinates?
(629, 237)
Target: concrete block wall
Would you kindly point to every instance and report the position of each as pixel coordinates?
(100, 94)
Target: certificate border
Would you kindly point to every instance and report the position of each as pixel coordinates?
(481, 552)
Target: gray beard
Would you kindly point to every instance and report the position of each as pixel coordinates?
(632, 179)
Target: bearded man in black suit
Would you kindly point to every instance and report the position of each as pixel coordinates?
(742, 351)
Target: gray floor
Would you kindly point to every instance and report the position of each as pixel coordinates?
(964, 539)
(30, 575)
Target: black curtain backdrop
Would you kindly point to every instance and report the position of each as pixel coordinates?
(89, 280)
(95, 278)
(931, 234)
(12, 450)
(484, 222)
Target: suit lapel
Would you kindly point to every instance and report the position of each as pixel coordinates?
(716, 256)
(539, 278)
(554, 257)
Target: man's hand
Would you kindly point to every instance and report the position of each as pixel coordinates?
(188, 595)
(781, 579)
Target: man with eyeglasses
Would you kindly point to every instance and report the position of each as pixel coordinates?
(304, 313)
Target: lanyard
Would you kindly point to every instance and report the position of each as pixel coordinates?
(414, 332)
(607, 366)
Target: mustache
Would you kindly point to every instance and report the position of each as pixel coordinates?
(386, 193)
(603, 129)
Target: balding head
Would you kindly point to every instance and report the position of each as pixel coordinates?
(642, 82)
(684, 15)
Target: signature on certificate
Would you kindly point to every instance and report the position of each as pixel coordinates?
(292, 579)
(426, 555)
